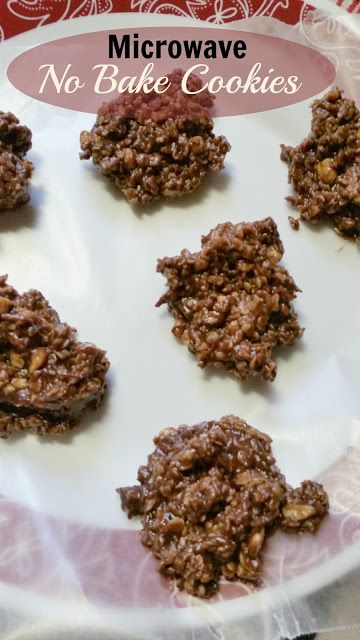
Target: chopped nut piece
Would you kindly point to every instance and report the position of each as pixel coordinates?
(209, 519)
(248, 568)
(231, 301)
(324, 169)
(7, 389)
(229, 570)
(16, 360)
(5, 304)
(38, 359)
(298, 512)
(19, 383)
(174, 526)
(255, 543)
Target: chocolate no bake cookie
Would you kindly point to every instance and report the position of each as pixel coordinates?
(231, 300)
(325, 168)
(209, 495)
(15, 171)
(47, 377)
(155, 146)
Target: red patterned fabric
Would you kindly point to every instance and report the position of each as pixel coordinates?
(22, 15)
(350, 5)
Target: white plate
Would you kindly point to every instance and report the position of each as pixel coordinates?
(94, 257)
